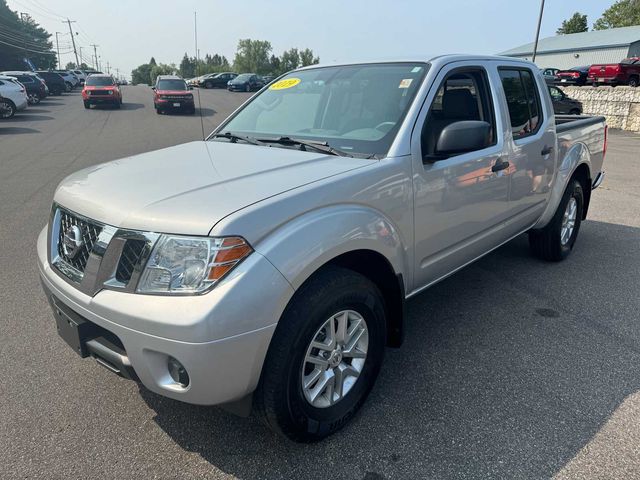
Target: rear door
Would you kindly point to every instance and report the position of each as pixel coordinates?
(531, 139)
(459, 201)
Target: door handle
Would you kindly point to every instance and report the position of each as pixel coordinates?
(500, 165)
(546, 151)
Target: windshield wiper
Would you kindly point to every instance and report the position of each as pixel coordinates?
(304, 144)
(234, 138)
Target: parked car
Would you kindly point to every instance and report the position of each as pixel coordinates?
(171, 93)
(247, 82)
(70, 80)
(549, 75)
(35, 86)
(293, 235)
(54, 81)
(13, 96)
(627, 72)
(101, 89)
(562, 104)
(216, 80)
(573, 76)
(81, 75)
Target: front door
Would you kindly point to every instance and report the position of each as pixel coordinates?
(460, 199)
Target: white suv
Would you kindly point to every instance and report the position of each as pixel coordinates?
(13, 96)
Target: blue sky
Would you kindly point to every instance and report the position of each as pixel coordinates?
(130, 32)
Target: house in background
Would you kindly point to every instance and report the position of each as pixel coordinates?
(587, 48)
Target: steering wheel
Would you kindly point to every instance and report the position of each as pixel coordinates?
(381, 126)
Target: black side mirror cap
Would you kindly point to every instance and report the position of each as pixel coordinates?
(464, 136)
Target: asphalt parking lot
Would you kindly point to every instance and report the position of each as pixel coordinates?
(512, 368)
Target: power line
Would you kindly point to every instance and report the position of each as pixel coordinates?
(28, 49)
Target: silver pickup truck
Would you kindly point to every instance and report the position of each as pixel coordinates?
(267, 267)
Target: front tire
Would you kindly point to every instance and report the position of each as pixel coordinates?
(555, 241)
(324, 357)
(633, 82)
(87, 105)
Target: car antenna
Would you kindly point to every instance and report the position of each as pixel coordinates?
(195, 31)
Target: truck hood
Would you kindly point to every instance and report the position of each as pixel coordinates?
(188, 188)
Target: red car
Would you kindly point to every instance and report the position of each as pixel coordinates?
(172, 93)
(627, 72)
(101, 89)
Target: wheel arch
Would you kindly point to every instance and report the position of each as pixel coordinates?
(351, 236)
(576, 163)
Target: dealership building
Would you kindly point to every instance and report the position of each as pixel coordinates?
(587, 48)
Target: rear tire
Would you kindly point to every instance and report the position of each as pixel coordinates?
(208, 85)
(633, 82)
(7, 109)
(333, 296)
(575, 111)
(555, 241)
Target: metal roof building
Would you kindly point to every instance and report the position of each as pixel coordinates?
(575, 49)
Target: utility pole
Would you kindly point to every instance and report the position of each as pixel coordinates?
(58, 49)
(73, 40)
(108, 69)
(95, 56)
(24, 34)
(535, 45)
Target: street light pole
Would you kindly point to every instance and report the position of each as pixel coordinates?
(535, 45)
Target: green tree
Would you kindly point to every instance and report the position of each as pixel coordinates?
(161, 69)
(576, 24)
(290, 60)
(307, 58)
(22, 37)
(252, 56)
(142, 74)
(188, 66)
(623, 13)
(274, 65)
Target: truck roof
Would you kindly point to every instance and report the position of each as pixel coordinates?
(441, 59)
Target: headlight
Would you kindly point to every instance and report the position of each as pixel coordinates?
(190, 265)
(110, 92)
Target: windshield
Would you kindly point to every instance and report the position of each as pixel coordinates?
(171, 85)
(99, 81)
(354, 108)
(244, 76)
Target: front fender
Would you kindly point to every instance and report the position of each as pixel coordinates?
(301, 246)
(574, 156)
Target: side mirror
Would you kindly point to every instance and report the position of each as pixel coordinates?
(153, 88)
(463, 136)
(190, 87)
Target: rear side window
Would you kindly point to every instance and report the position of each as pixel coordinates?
(523, 101)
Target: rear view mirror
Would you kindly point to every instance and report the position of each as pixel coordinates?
(463, 136)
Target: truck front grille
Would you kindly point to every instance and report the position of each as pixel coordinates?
(88, 235)
(93, 256)
(129, 259)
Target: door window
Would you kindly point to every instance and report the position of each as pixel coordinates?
(556, 94)
(523, 101)
(463, 95)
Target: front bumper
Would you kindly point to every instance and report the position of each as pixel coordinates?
(220, 337)
(102, 99)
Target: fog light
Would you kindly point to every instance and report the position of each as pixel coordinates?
(178, 372)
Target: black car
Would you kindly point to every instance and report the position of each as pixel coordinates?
(247, 82)
(54, 81)
(564, 105)
(218, 80)
(573, 76)
(36, 89)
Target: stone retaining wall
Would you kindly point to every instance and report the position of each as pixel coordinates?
(620, 105)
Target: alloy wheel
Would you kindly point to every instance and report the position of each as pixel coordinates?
(335, 358)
